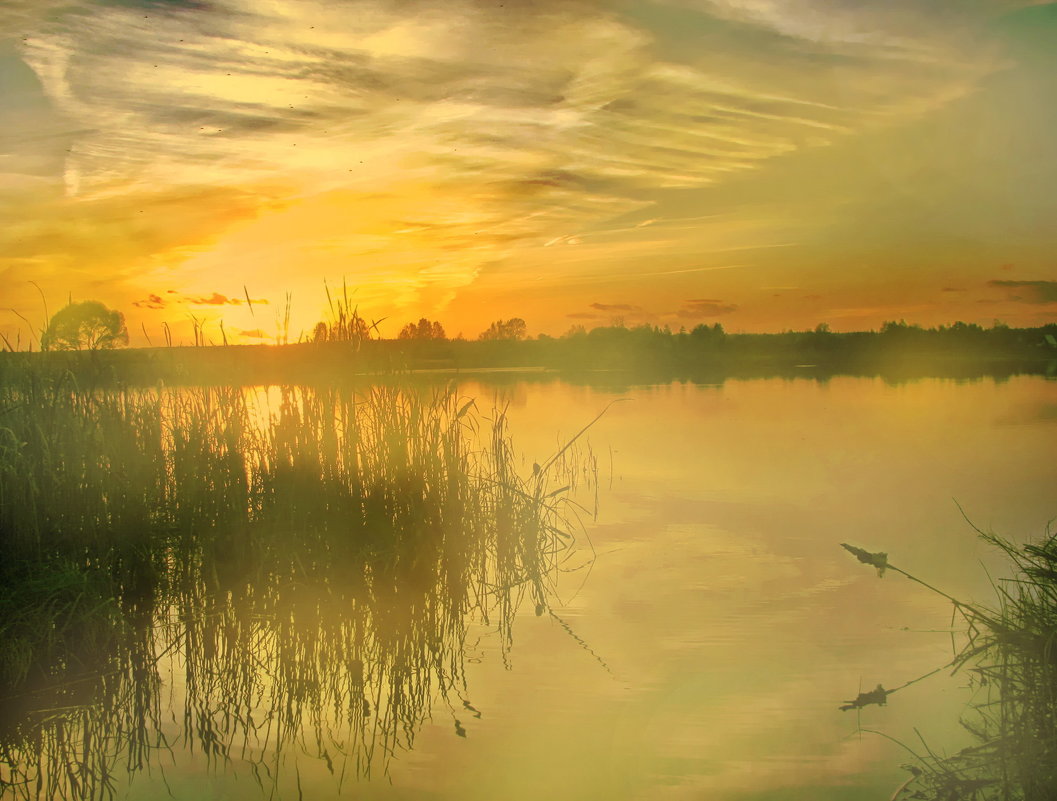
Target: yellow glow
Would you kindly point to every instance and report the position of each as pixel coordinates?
(429, 159)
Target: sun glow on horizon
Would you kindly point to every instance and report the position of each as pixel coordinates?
(671, 163)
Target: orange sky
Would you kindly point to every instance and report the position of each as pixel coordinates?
(767, 164)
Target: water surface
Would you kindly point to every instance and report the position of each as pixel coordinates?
(732, 622)
(706, 625)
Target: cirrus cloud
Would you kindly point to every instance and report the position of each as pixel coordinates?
(385, 136)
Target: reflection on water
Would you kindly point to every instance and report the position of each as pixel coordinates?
(734, 623)
(716, 623)
(301, 587)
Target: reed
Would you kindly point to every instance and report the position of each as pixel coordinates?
(1010, 653)
(304, 562)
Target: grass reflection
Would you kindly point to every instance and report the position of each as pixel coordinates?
(191, 570)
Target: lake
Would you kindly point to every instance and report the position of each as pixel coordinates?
(705, 626)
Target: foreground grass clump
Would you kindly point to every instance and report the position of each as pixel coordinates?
(303, 564)
(1010, 651)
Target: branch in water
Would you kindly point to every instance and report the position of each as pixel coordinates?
(878, 695)
(878, 560)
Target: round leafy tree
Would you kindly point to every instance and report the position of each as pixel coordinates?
(88, 325)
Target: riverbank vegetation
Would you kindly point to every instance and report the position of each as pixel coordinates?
(303, 565)
(1009, 653)
(349, 348)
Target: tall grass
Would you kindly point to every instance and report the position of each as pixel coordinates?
(303, 563)
(1010, 653)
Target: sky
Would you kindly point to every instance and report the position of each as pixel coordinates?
(765, 164)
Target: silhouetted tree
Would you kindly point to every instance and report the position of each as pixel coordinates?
(966, 329)
(891, 328)
(707, 333)
(88, 325)
(512, 329)
(424, 329)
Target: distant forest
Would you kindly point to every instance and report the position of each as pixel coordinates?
(350, 347)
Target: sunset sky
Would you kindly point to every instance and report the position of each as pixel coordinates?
(766, 164)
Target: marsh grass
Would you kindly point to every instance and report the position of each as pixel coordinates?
(302, 565)
(1009, 652)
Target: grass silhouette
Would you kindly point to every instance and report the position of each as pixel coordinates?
(1010, 652)
(304, 563)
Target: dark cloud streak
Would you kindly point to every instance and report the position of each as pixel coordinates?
(1036, 292)
(705, 307)
(150, 302)
(609, 307)
(154, 301)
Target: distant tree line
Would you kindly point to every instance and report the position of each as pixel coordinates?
(511, 330)
(644, 346)
(896, 346)
(423, 329)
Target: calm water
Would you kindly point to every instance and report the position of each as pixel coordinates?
(712, 623)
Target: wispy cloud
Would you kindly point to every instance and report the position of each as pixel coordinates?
(150, 302)
(901, 28)
(393, 141)
(563, 101)
(705, 307)
(217, 299)
(609, 307)
(1028, 291)
(155, 301)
